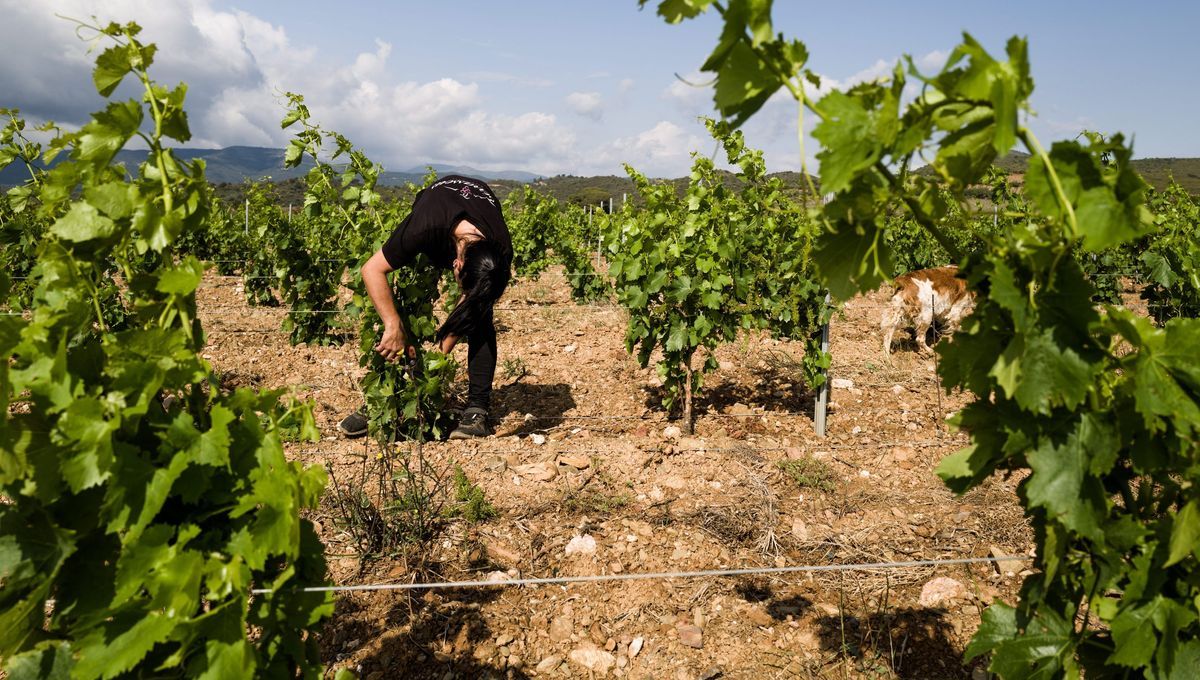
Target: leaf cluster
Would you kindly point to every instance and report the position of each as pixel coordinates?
(1170, 259)
(694, 269)
(134, 527)
(1096, 408)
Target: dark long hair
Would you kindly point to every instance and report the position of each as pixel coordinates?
(484, 277)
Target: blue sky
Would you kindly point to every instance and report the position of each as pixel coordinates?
(582, 86)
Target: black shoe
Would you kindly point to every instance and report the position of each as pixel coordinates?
(473, 424)
(354, 425)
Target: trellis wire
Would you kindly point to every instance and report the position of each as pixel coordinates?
(646, 576)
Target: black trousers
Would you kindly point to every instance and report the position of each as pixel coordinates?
(481, 363)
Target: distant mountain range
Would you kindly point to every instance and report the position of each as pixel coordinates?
(236, 164)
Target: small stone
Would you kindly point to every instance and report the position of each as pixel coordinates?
(537, 439)
(541, 472)
(690, 635)
(548, 664)
(1006, 566)
(676, 483)
(672, 432)
(903, 456)
(569, 349)
(560, 629)
(740, 410)
(856, 430)
(496, 464)
(799, 530)
(610, 644)
(497, 577)
(504, 639)
(828, 609)
(941, 589)
(581, 545)
(841, 383)
(485, 651)
(578, 461)
(636, 646)
(698, 618)
(759, 616)
(593, 658)
(897, 390)
(711, 674)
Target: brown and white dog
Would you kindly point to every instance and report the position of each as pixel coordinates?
(923, 298)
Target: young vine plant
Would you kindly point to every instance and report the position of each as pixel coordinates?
(694, 269)
(403, 399)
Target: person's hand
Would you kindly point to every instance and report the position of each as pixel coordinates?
(393, 345)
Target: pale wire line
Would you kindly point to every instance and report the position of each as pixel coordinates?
(737, 449)
(561, 580)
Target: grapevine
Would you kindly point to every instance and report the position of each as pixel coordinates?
(693, 270)
(133, 530)
(1096, 408)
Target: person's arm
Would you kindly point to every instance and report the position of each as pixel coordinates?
(393, 344)
(447, 344)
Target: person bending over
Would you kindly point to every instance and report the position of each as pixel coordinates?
(457, 223)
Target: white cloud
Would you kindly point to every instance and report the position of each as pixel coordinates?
(238, 65)
(931, 62)
(586, 104)
(663, 150)
(508, 78)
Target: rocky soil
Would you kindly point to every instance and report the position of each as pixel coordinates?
(589, 476)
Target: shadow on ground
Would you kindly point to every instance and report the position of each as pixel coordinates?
(912, 643)
(415, 634)
(906, 643)
(545, 402)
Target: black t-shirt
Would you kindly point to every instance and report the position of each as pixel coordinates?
(429, 228)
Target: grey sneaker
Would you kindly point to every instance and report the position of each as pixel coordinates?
(354, 425)
(473, 424)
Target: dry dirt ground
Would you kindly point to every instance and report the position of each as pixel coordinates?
(584, 450)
